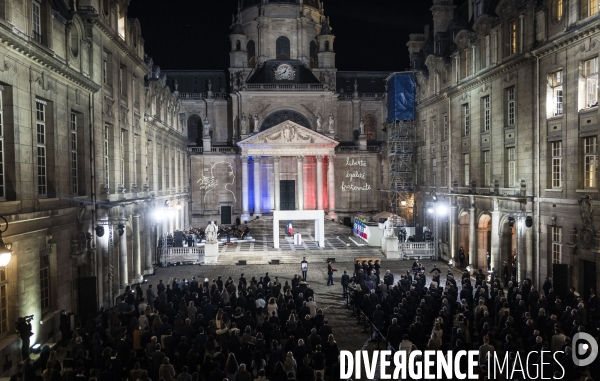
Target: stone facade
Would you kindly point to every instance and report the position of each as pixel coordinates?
(507, 108)
(329, 102)
(91, 137)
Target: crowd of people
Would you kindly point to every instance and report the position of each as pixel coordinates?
(190, 330)
(414, 313)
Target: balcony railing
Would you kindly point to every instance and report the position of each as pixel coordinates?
(416, 249)
(223, 150)
(201, 95)
(283, 87)
(357, 149)
(364, 96)
(181, 254)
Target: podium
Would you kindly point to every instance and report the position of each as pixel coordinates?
(297, 239)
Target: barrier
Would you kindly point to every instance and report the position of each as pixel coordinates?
(182, 254)
(410, 250)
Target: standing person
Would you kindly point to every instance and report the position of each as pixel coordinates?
(345, 282)
(150, 296)
(461, 257)
(329, 274)
(304, 268)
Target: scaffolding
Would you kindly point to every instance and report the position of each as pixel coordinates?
(402, 174)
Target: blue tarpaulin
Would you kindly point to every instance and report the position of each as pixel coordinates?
(401, 97)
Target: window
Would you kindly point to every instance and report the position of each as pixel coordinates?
(135, 160)
(74, 188)
(589, 8)
(425, 172)
(314, 57)
(511, 164)
(283, 48)
(590, 160)
(122, 152)
(3, 302)
(435, 83)
(485, 109)
(513, 37)
(557, 164)
(167, 169)
(105, 68)
(133, 88)
(36, 20)
(558, 10)
(251, 49)
(486, 51)
(45, 282)
(557, 92)
(159, 164)
(466, 168)
(434, 172)
(121, 69)
(556, 244)
(434, 130)
(487, 168)
(106, 158)
(121, 22)
(467, 62)
(41, 147)
(446, 131)
(588, 84)
(2, 190)
(510, 105)
(466, 118)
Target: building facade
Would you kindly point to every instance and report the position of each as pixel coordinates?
(282, 69)
(508, 113)
(92, 148)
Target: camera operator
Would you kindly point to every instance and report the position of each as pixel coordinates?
(25, 331)
(65, 328)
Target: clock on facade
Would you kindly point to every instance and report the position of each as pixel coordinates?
(284, 72)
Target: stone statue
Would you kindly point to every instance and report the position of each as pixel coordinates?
(356, 86)
(206, 125)
(319, 122)
(256, 123)
(362, 126)
(243, 124)
(211, 232)
(209, 84)
(388, 228)
(331, 122)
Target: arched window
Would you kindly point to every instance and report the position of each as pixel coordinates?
(283, 48)
(106, 7)
(314, 57)
(370, 126)
(557, 10)
(326, 46)
(194, 125)
(75, 41)
(238, 45)
(251, 48)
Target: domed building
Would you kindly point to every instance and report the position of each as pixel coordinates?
(292, 131)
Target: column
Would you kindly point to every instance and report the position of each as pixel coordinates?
(472, 240)
(245, 212)
(521, 261)
(495, 245)
(319, 182)
(123, 279)
(453, 235)
(257, 208)
(300, 182)
(276, 181)
(102, 277)
(331, 186)
(529, 252)
(150, 241)
(137, 250)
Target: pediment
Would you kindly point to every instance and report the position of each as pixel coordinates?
(287, 133)
(288, 137)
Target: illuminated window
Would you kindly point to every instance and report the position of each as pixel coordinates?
(556, 85)
(485, 112)
(106, 157)
(74, 180)
(512, 168)
(466, 119)
(590, 160)
(556, 164)
(511, 104)
(466, 168)
(558, 10)
(556, 244)
(41, 147)
(513, 37)
(588, 83)
(589, 7)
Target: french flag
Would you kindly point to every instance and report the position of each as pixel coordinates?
(289, 229)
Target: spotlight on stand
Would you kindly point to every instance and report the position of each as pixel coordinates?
(100, 231)
(468, 268)
(450, 263)
(5, 251)
(120, 229)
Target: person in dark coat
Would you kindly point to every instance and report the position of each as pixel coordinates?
(345, 282)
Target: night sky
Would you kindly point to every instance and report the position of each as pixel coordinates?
(193, 34)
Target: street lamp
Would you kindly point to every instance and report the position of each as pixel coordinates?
(5, 252)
